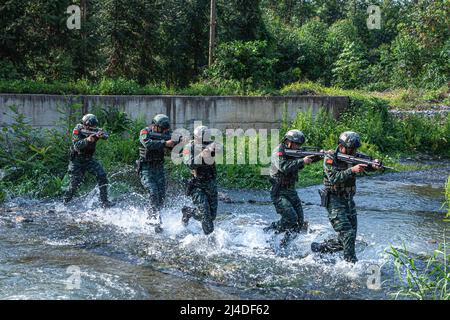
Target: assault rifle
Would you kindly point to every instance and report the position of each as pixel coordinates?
(98, 132)
(164, 136)
(362, 159)
(358, 158)
(306, 151)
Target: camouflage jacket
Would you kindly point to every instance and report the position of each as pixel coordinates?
(80, 145)
(153, 149)
(285, 169)
(338, 175)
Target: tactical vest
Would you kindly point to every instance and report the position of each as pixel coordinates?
(285, 180)
(204, 171)
(154, 157)
(87, 152)
(348, 186)
(151, 156)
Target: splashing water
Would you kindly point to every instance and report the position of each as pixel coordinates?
(120, 256)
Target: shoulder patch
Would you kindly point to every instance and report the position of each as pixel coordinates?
(279, 153)
(76, 131)
(144, 131)
(186, 151)
(329, 161)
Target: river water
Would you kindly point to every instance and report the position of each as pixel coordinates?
(85, 252)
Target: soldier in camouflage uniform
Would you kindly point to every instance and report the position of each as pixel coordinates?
(283, 177)
(82, 160)
(340, 186)
(151, 166)
(199, 157)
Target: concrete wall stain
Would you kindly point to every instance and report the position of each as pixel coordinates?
(216, 111)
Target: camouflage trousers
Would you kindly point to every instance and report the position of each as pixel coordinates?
(289, 207)
(204, 196)
(153, 178)
(343, 218)
(77, 169)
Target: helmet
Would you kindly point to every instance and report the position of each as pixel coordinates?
(90, 120)
(161, 120)
(295, 136)
(200, 132)
(350, 139)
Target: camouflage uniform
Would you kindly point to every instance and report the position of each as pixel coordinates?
(81, 160)
(341, 184)
(283, 193)
(152, 172)
(202, 189)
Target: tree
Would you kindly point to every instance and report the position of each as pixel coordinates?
(349, 69)
(239, 20)
(251, 62)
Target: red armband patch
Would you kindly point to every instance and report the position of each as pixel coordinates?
(186, 151)
(279, 153)
(329, 161)
(144, 132)
(75, 131)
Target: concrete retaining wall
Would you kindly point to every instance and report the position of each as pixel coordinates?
(221, 112)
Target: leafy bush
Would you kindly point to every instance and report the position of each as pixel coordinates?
(249, 62)
(350, 68)
(381, 131)
(8, 71)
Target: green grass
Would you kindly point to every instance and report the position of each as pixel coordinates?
(422, 278)
(447, 198)
(409, 98)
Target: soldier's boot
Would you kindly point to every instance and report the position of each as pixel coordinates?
(328, 246)
(188, 213)
(158, 228)
(351, 259)
(272, 227)
(207, 226)
(105, 203)
(301, 228)
(287, 238)
(292, 233)
(68, 197)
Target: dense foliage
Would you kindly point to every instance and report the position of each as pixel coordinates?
(260, 43)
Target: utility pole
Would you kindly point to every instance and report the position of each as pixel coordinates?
(84, 48)
(212, 31)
